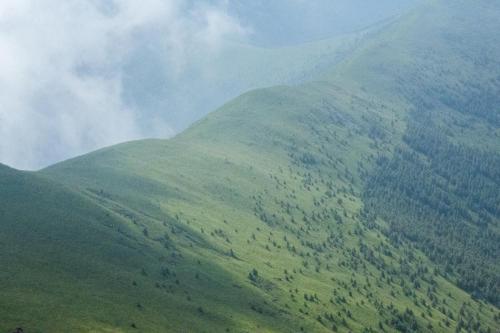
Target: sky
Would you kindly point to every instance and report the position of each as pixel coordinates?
(78, 75)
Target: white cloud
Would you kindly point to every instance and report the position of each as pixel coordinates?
(62, 63)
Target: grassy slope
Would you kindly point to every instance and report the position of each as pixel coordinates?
(50, 238)
(448, 77)
(230, 180)
(72, 265)
(272, 182)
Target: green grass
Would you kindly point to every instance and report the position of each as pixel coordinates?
(163, 235)
(214, 176)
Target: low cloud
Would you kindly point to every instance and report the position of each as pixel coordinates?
(63, 66)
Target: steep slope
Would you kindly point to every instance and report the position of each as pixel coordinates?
(273, 183)
(274, 213)
(445, 173)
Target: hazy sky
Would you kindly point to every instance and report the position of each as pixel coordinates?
(77, 75)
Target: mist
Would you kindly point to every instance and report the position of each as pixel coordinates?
(79, 75)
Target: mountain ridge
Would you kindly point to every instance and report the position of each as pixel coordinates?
(258, 218)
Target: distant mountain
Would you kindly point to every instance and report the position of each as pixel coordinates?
(208, 81)
(288, 42)
(283, 22)
(363, 201)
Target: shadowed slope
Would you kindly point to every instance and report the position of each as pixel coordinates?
(78, 263)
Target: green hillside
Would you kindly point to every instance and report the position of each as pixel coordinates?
(366, 201)
(441, 187)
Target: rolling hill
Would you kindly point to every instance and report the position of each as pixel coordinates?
(363, 201)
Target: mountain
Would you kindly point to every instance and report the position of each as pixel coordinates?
(181, 98)
(285, 22)
(366, 200)
(166, 96)
(445, 172)
(288, 42)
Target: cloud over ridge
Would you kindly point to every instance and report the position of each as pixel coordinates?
(62, 66)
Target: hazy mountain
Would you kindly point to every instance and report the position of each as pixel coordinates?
(123, 70)
(363, 200)
(285, 22)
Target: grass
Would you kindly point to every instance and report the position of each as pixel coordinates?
(166, 235)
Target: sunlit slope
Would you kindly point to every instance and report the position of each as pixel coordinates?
(272, 185)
